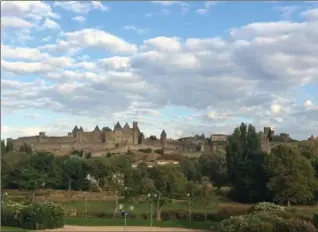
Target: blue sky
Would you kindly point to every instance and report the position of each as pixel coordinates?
(186, 67)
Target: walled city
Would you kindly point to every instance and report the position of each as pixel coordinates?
(121, 139)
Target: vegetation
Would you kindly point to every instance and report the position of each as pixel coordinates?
(288, 175)
(33, 216)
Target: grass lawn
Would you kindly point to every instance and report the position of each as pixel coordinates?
(132, 222)
(139, 207)
(12, 229)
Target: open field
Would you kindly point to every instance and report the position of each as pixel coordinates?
(133, 222)
(103, 203)
(121, 228)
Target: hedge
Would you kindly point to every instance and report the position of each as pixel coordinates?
(32, 216)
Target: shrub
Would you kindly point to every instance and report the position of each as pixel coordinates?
(295, 225)
(315, 220)
(145, 150)
(265, 206)
(42, 216)
(159, 151)
(9, 217)
(32, 216)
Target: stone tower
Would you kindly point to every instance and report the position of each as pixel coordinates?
(163, 138)
(135, 133)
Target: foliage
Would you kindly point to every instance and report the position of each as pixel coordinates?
(190, 169)
(315, 220)
(296, 225)
(145, 150)
(32, 216)
(265, 206)
(214, 166)
(245, 165)
(291, 176)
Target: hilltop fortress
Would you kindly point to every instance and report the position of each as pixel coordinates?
(121, 139)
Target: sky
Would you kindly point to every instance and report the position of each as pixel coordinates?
(186, 67)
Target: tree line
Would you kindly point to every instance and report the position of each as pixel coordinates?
(289, 174)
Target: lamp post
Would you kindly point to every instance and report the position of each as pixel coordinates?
(189, 205)
(151, 196)
(125, 211)
(85, 193)
(5, 194)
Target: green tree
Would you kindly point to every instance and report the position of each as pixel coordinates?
(190, 168)
(3, 147)
(30, 179)
(214, 166)
(99, 168)
(206, 196)
(166, 181)
(245, 163)
(9, 146)
(73, 171)
(291, 176)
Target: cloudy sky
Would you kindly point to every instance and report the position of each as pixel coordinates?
(186, 67)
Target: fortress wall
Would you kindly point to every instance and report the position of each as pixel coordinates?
(68, 146)
(85, 137)
(27, 140)
(155, 143)
(128, 136)
(90, 146)
(118, 136)
(46, 146)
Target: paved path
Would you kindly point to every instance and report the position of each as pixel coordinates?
(121, 228)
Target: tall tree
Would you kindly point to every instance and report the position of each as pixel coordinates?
(245, 165)
(214, 166)
(292, 178)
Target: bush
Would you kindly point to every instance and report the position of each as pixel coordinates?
(295, 225)
(265, 206)
(159, 151)
(145, 150)
(315, 220)
(32, 216)
(9, 217)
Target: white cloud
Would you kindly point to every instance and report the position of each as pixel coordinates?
(225, 80)
(308, 104)
(79, 19)
(21, 53)
(78, 40)
(136, 29)
(14, 22)
(207, 6)
(81, 7)
(29, 9)
(50, 24)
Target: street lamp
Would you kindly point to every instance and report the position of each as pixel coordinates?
(5, 194)
(151, 196)
(125, 211)
(85, 193)
(189, 205)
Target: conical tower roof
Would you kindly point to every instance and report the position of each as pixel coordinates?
(81, 129)
(163, 133)
(75, 129)
(96, 128)
(126, 126)
(118, 126)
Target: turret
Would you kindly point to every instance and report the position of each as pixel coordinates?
(163, 138)
(135, 133)
(118, 126)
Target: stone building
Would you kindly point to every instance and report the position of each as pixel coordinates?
(96, 140)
